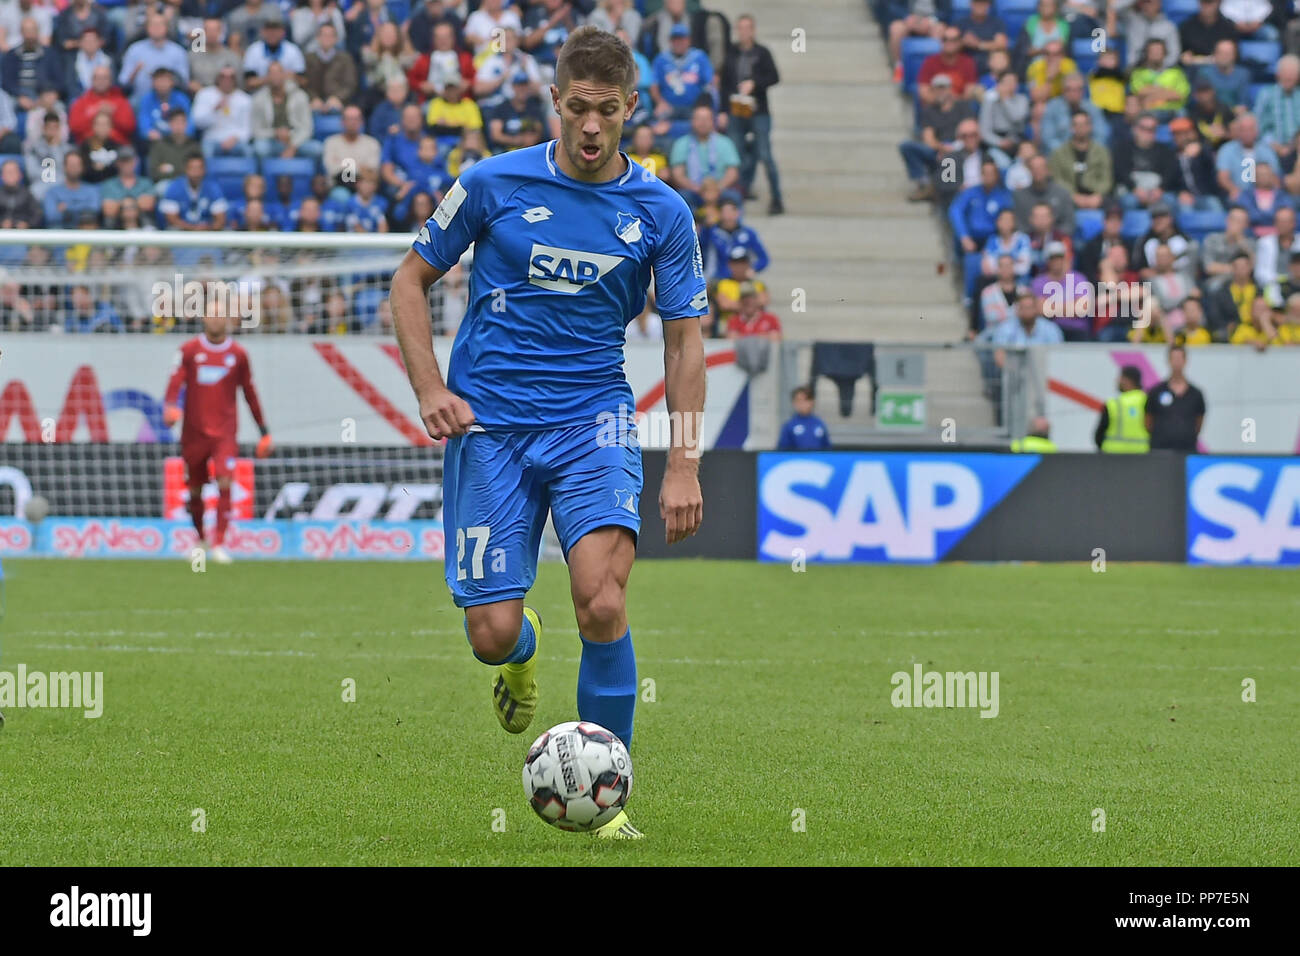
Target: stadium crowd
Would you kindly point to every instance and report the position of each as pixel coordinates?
(1111, 170)
(340, 116)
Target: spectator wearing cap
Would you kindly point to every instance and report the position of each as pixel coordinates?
(425, 21)
(18, 207)
(1273, 253)
(147, 54)
(1263, 200)
(193, 202)
(496, 74)
(306, 19)
(223, 117)
(216, 55)
(1278, 107)
(282, 121)
(751, 318)
(45, 152)
(1004, 115)
(517, 122)
(349, 151)
(126, 184)
(430, 73)
(1240, 156)
(1231, 80)
(65, 201)
(1160, 88)
(1046, 74)
(1250, 17)
(1044, 188)
(1198, 188)
(682, 78)
(1146, 170)
(726, 292)
(29, 65)
(156, 105)
(486, 23)
(330, 73)
(982, 32)
(1144, 22)
(1200, 34)
(717, 241)
(657, 26)
(453, 113)
(1164, 230)
(1082, 165)
(1212, 118)
(89, 55)
(974, 212)
(804, 431)
(272, 47)
(1065, 294)
(168, 156)
(702, 154)
(951, 61)
(940, 122)
(1054, 127)
(102, 97)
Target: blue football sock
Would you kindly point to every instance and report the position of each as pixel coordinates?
(607, 685)
(524, 646)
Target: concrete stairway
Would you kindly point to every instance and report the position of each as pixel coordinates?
(868, 262)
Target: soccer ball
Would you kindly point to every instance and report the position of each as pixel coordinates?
(577, 776)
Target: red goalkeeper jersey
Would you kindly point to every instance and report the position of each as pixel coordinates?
(211, 375)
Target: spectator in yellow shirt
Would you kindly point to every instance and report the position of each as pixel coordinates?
(1106, 89)
(453, 113)
(1288, 322)
(726, 294)
(1193, 331)
(643, 152)
(1046, 74)
(1258, 331)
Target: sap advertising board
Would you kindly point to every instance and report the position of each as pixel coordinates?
(1243, 510)
(853, 507)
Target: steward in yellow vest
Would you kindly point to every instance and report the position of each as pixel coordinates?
(1122, 427)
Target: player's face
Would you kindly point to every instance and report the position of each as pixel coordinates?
(591, 125)
(216, 324)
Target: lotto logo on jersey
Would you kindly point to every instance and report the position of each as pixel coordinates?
(567, 270)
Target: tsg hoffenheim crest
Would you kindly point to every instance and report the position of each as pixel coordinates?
(629, 227)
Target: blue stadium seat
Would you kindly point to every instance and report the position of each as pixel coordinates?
(914, 51)
(1082, 55)
(1163, 135)
(399, 10)
(1198, 225)
(326, 125)
(1014, 13)
(1253, 95)
(1137, 222)
(229, 172)
(1088, 223)
(300, 170)
(960, 10)
(1179, 10)
(1260, 53)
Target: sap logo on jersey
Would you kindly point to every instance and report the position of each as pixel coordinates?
(210, 374)
(567, 270)
(1243, 511)
(851, 507)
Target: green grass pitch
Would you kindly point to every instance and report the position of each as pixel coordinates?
(224, 691)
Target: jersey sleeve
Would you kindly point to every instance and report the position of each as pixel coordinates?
(180, 369)
(680, 289)
(456, 222)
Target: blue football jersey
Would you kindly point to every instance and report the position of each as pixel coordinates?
(560, 268)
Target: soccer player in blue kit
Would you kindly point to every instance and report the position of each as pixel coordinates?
(566, 235)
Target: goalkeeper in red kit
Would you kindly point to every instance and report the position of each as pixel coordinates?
(212, 367)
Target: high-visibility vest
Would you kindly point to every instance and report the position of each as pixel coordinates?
(1126, 427)
(1033, 445)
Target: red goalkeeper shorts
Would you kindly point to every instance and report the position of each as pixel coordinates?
(199, 453)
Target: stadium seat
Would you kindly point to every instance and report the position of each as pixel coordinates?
(1137, 222)
(1163, 134)
(326, 125)
(399, 10)
(229, 172)
(960, 9)
(1014, 13)
(1082, 55)
(301, 171)
(1179, 10)
(1253, 95)
(1198, 225)
(1260, 56)
(915, 50)
(1088, 223)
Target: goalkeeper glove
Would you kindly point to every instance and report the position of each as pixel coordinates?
(171, 415)
(264, 444)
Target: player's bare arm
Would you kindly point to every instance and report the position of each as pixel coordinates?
(681, 503)
(444, 415)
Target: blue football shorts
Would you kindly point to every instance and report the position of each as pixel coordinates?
(498, 487)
